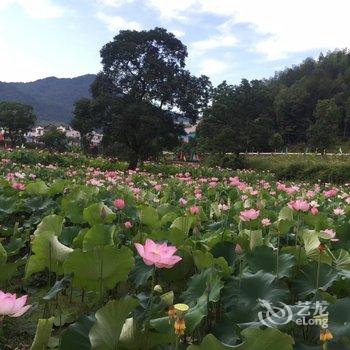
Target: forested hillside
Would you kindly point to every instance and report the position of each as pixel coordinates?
(306, 104)
(52, 98)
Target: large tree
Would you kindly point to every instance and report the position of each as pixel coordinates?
(143, 93)
(17, 119)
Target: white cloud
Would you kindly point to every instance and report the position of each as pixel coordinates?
(37, 9)
(115, 3)
(214, 42)
(177, 32)
(116, 23)
(284, 27)
(211, 66)
(172, 9)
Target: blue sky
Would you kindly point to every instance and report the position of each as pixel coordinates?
(226, 39)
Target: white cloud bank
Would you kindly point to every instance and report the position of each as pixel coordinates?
(116, 23)
(37, 9)
(284, 27)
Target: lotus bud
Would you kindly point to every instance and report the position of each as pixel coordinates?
(168, 298)
(158, 288)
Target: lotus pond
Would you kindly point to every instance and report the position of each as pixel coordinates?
(111, 259)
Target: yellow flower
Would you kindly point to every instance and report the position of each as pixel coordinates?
(326, 335)
(179, 326)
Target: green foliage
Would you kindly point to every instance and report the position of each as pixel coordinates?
(143, 80)
(16, 118)
(48, 251)
(55, 140)
(99, 269)
(43, 333)
(105, 333)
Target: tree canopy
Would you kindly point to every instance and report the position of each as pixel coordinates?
(17, 119)
(142, 95)
(307, 104)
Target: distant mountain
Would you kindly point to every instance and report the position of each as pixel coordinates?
(52, 98)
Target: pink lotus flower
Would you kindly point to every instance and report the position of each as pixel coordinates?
(330, 233)
(238, 249)
(119, 203)
(160, 255)
(314, 211)
(194, 210)
(223, 207)
(182, 202)
(158, 187)
(338, 211)
(331, 193)
(198, 196)
(299, 205)
(18, 186)
(248, 215)
(266, 222)
(128, 224)
(12, 306)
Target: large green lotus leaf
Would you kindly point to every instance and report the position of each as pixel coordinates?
(141, 272)
(343, 235)
(241, 299)
(37, 188)
(209, 342)
(267, 339)
(286, 213)
(225, 250)
(58, 186)
(79, 239)
(168, 217)
(76, 336)
(68, 234)
(207, 282)
(255, 238)
(105, 333)
(47, 251)
(9, 205)
(182, 224)
(150, 217)
(342, 261)
(204, 260)
(98, 213)
(74, 203)
(7, 271)
(265, 258)
(318, 222)
(98, 236)
(306, 282)
(43, 333)
(339, 319)
(311, 241)
(284, 226)
(132, 338)
(39, 203)
(107, 265)
(3, 255)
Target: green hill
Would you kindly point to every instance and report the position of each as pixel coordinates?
(52, 98)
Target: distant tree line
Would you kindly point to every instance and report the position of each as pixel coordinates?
(144, 94)
(307, 104)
